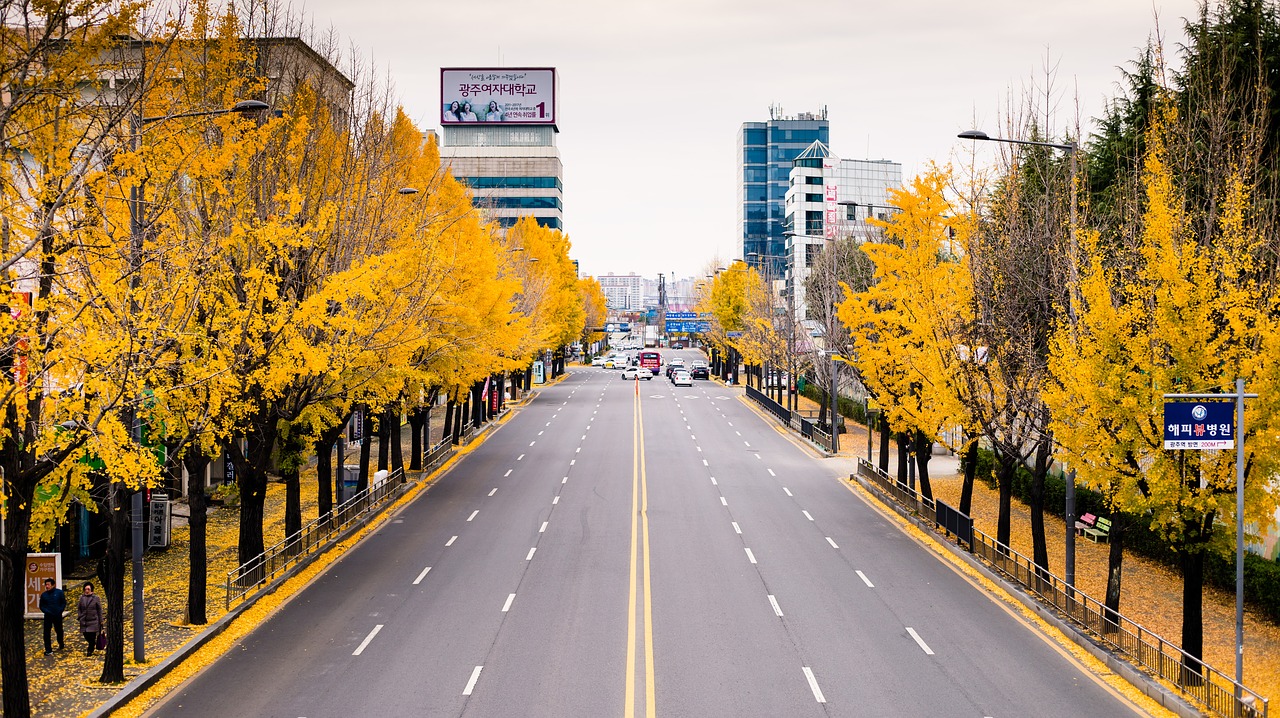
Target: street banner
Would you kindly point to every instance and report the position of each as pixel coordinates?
(40, 566)
(1199, 425)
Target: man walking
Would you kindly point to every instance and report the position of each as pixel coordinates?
(53, 603)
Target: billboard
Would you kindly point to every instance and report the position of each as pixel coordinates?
(498, 95)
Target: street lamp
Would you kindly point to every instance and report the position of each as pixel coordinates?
(136, 202)
(1071, 148)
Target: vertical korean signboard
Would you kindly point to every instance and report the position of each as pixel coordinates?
(498, 95)
(39, 567)
(1199, 425)
(831, 200)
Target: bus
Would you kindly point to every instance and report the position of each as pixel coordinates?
(651, 361)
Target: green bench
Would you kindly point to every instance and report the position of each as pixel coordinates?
(1100, 531)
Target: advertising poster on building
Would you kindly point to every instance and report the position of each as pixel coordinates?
(503, 95)
(39, 567)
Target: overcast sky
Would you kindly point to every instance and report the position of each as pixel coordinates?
(652, 93)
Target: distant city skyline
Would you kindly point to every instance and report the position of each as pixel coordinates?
(652, 96)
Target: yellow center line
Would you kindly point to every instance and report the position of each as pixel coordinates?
(639, 527)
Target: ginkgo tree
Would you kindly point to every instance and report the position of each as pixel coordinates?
(1172, 312)
(906, 325)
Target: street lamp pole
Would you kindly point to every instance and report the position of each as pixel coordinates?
(1072, 149)
(136, 230)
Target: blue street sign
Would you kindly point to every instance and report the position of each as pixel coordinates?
(691, 326)
(1199, 425)
(681, 315)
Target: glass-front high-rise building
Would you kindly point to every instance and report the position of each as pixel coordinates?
(765, 153)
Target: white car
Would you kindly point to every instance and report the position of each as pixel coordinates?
(637, 372)
(597, 361)
(680, 377)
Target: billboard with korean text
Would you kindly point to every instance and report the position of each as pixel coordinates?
(498, 95)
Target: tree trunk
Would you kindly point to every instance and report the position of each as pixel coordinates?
(1191, 559)
(393, 435)
(112, 577)
(924, 452)
(417, 420)
(884, 443)
(459, 410)
(1039, 546)
(251, 472)
(448, 420)
(198, 569)
(13, 600)
(290, 462)
(477, 405)
(1006, 469)
(324, 468)
(366, 450)
(970, 473)
(1115, 561)
(384, 439)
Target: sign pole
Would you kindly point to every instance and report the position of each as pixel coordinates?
(1239, 534)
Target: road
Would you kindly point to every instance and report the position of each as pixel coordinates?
(626, 548)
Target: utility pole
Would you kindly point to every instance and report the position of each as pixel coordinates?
(662, 309)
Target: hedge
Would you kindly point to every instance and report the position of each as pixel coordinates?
(849, 408)
(1261, 576)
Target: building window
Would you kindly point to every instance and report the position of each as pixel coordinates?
(812, 197)
(813, 180)
(520, 202)
(813, 223)
(512, 182)
(754, 155)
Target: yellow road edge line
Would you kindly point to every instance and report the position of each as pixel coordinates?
(629, 695)
(1088, 664)
(650, 703)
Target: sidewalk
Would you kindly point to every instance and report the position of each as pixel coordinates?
(1151, 592)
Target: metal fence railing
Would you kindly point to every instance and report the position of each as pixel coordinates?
(1212, 689)
(769, 405)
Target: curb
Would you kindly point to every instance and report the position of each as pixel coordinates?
(1153, 689)
(144, 681)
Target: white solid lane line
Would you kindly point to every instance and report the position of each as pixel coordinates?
(750, 556)
(507, 606)
(723, 501)
(422, 575)
(776, 608)
(374, 632)
(491, 493)
(473, 514)
(865, 580)
(920, 641)
(471, 684)
(735, 527)
(771, 472)
(555, 500)
(813, 685)
(544, 527)
(508, 473)
(806, 515)
(450, 541)
(788, 491)
(530, 556)
(833, 543)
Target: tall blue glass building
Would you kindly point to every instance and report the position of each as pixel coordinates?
(765, 154)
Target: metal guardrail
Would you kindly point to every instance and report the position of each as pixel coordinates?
(769, 405)
(1210, 688)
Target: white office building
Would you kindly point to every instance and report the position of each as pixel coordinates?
(829, 198)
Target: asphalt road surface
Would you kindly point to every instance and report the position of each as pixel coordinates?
(624, 548)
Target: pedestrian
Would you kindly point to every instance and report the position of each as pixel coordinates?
(89, 610)
(53, 603)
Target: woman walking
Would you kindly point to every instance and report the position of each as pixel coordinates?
(89, 611)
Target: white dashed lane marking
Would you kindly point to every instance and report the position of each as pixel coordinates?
(833, 543)
(923, 646)
(422, 575)
(374, 632)
(865, 580)
(450, 541)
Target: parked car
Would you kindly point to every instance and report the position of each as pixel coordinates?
(680, 377)
(637, 372)
(700, 370)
